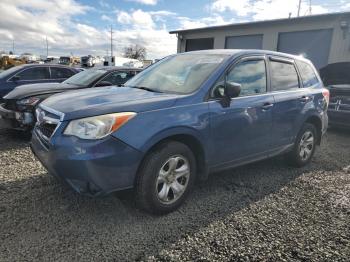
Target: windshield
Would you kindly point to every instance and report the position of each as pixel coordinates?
(9, 71)
(182, 74)
(85, 78)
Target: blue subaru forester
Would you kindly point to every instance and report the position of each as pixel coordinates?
(182, 118)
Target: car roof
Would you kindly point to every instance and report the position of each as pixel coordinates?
(116, 68)
(239, 52)
(43, 65)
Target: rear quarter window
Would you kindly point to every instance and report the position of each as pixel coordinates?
(308, 75)
(283, 76)
(60, 73)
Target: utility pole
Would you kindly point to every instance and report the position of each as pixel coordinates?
(13, 46)
(47, 48)
(111, 41)
(310, 8)
(299, 6)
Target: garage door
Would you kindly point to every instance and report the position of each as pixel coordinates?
(199, 44)
(313, 44)
(244, 42)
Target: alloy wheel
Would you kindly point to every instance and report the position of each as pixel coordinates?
(173, 179)
(306, 145)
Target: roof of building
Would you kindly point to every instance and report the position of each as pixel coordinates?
(301, 18)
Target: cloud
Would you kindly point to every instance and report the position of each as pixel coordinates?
(241, 7)
(264, 9)
(145, 2)
(106, 18)
(137, 19)
(188, 23)
(28, 23)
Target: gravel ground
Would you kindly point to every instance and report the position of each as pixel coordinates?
(264, 211)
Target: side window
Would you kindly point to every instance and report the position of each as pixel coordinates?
(60, 73)
(251, 75)
(36, 73)
(118, 78)
(283, 76)
(307, 73)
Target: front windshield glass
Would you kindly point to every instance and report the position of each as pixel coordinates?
(182, 74)
(9, 71)
(85, 78)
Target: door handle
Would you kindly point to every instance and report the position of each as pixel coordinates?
(304, 99)
(267, 106)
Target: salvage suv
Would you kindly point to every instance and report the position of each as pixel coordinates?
(180, 119)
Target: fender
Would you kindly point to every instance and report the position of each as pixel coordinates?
(173, 131)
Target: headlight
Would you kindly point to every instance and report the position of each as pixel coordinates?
(97, 127)
(31, 101)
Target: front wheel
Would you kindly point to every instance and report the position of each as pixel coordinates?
(165, 178)
(304, 146)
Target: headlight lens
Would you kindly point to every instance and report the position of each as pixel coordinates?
(31, 101)
(97, 127)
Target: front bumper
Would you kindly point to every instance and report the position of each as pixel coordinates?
(10, 119)
(90, 167)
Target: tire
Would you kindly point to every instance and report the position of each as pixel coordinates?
(304, 146)
(159, 187)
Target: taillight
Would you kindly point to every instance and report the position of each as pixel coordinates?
(325, 93)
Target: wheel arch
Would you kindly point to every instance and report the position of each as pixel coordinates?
(187, 136)
(317, 122)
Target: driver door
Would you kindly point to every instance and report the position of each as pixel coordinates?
(241, 130)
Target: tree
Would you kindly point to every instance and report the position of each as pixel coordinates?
(135, 52)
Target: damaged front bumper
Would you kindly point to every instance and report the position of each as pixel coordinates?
(10, 119)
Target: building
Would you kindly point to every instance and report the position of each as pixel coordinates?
(324, 39)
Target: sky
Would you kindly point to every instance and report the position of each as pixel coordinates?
(81, 27)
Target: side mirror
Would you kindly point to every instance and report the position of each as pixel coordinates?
(15, 78)
(232, 89)
(103, 83)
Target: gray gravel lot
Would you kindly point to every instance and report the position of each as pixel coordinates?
(263, 211)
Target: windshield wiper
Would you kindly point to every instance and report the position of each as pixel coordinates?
(147, 89)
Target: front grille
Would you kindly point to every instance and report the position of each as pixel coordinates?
(47, 129)
(47, 123)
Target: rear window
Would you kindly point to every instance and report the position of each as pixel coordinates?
(308, 74)
(60, 73)
(283, 76)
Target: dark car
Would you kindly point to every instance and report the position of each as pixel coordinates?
(336, 78)
(33, 73)
(180, 119)
(18, 106)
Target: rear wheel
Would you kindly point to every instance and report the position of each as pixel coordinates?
(304, 146)
(165, 178)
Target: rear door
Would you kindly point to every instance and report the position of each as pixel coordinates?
(289, 98)
(241, 131)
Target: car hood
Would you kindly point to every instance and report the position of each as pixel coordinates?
(106, 100)
(23, 91)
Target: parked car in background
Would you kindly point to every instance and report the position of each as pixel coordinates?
(33, 73)
(336, 78)
(18, 107)
(180, 119)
